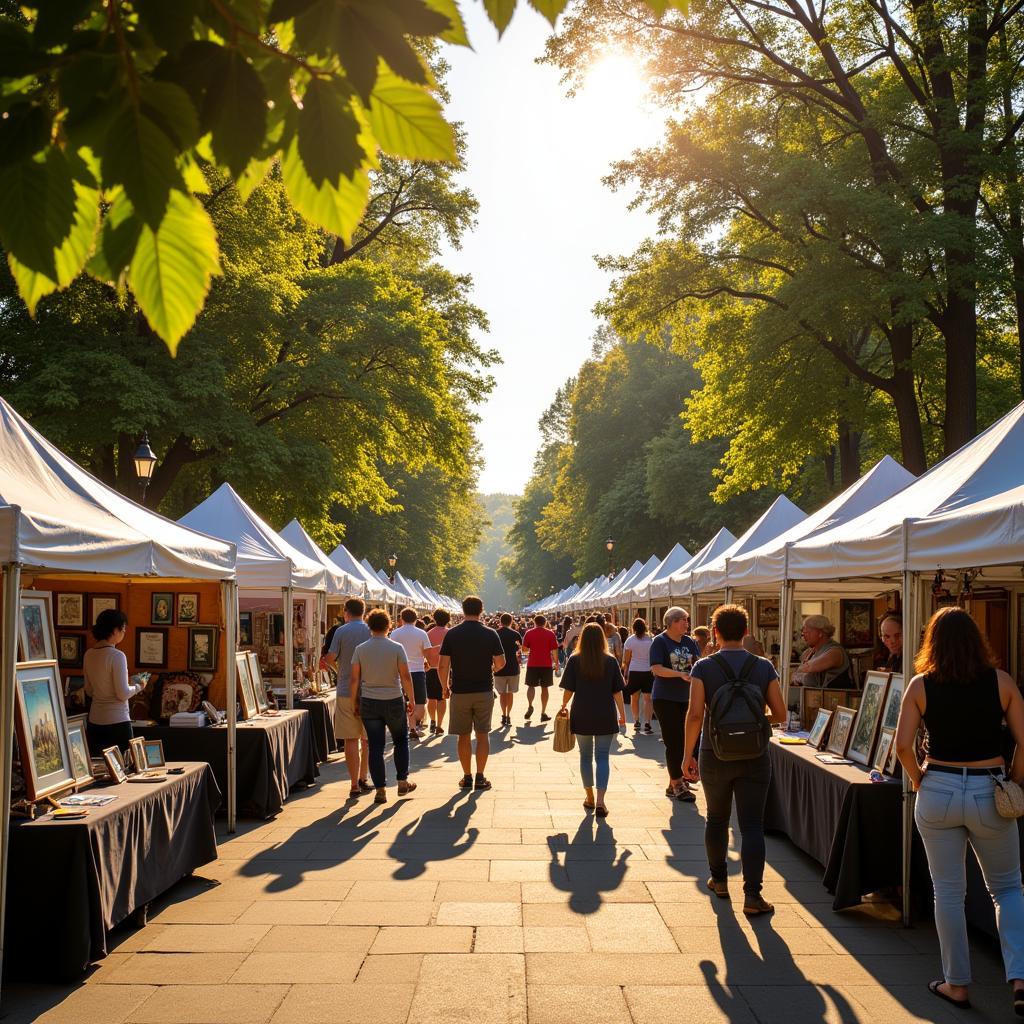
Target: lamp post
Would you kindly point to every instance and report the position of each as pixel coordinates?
(145, 462)
(392, 562)
(609, 545)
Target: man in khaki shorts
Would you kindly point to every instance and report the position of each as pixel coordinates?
(506, 679)
(470, 655)
(347, 726)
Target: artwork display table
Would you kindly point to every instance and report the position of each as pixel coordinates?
(70, 882)
(321, 723)
(274, 754)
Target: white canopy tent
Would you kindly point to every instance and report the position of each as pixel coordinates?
(673, 561)
(671, 586)
(340, 582)
(623, 580)
(375, 590)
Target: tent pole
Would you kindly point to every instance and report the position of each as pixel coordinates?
(9, 655)
(289, 650)
(911, 630)
(786, 608)
(229, 598)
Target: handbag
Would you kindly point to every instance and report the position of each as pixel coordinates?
(565, 738)
(1009, 798)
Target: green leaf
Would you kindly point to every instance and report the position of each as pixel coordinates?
(407, 120)
(37, 208)
(56, 21)
(139, 156)
(284, 10)
(500, 12)
(69, 257)
(551, 9)
(456, 31)
(235, 111)
(118, 237)
(251, 178)
(335, 207)
(171, 270)
(170, 24)
(328, 133)
(24, 131)
(170, 106)
(89, 87)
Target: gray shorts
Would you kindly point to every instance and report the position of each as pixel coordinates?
(470, 712)
(507, 684)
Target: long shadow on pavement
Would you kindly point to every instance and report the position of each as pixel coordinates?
(593, 850)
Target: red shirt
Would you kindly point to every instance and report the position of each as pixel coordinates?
(540, 642)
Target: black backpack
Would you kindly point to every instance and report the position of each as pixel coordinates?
(739, 728)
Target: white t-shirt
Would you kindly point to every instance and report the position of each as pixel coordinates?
(416, 644)
(640, 658)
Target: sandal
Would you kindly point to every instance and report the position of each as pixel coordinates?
(601, 811)
(354, 794)
(482, 783)
(961, 1004)
(466, 782)
(364, 786)
(405, 787)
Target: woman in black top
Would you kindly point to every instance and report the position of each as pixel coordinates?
(592, 680)
(962, 698)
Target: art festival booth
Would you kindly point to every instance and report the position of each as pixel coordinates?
(640, 593)
(375, 590)
(94, 839)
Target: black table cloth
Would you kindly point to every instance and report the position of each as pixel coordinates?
(274, 754)
(70, 882)
(321, 723)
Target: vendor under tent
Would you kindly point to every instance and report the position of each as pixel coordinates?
(57, 522)
(269, 569)
(375, 590)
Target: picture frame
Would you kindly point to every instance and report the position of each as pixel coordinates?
(101, 603)
(78, 744)
(819, 730)
(70, 612)
(36, 640)
(161, 609)
(246, 694)
(884, 750)
(865, 728)
(767, 613)
(187, 609)
(259, 687)
(114, 760)
(856, 623)
(154, 753)
(245, 629)
(70, 649)
(202, 648)
(842, 726)
(137, 749)
(42, 729)
(893, 699)
(151, 647)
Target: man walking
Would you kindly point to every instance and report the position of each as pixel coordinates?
(541, 646)
(347, 726)
(506, 679)
(417, 645)
(470, 655)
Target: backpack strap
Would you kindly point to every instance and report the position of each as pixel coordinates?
(726, 669)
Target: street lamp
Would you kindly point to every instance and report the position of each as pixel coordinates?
(145, 463)
(609, 545)
(392, 562)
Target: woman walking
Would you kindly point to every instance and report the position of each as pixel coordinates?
(637, 666)
(962, 698)
(592, 680)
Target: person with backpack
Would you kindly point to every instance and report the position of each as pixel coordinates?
(728, 694)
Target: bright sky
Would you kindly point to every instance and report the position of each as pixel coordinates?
(536, 159)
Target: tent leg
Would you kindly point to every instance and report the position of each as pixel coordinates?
(785, 638)
(289, 650)
(229, 598)
(8, 659)
(911, 631)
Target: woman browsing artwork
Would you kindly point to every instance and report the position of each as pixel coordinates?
(106, 681)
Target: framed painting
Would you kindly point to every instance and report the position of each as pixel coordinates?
(856, 623)
(70, 611)
(188, 609)
(275, 627)
(842, 725)
(70, 649)
(151, 647)
(257, 681)
(893, 699)
(114, 761)
(245, 629)
(865, 729)
(35, 627)
(767, 613)
(137, 748)
(886, 742)
(816, 737)
(154, 753)
(78, 744)
(246, 694)
(202, 648)
(42, 729)
(101, 603)
(162, 609)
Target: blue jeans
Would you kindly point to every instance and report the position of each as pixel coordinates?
(952, 811)
(595, 748)
(379, 718)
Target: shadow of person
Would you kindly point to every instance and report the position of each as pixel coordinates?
(592, 864)
(438, 834)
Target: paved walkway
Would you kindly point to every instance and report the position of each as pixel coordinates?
(509, 906)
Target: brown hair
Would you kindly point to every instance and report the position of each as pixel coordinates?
(506, 619)
(408, 615)
(730, 622)
(441, 617)
(356, 607)
(539, 620)
(639, 627)
(472, 605)
(592, 648)
(378, 620)
(953, 649)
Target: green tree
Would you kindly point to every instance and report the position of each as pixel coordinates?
(493, 545)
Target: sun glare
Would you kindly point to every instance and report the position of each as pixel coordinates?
(616, 83)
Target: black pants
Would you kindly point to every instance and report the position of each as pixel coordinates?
(100, 737)
(748, 782)
(672, 719)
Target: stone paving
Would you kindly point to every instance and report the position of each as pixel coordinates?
(505, 907)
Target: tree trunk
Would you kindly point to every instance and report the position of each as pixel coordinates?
(849, 454)
(177, 457)
(1015, 234)
(961, 338)
(904, 399)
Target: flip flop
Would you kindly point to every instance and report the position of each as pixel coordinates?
(960, 1004)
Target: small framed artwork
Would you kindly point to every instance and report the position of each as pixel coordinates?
(70, 648)
(202, 648)
(856, 623)
(151, 648)
(78, 743)
(865, 729)
(188, 609)
(137, 749)
(114, 760)
(162, 609)
(42, 730)
(886, 740)
(839, 737)
(257, 681)
(154, 753)
(35, 627)
(101, 603)
(70, 611)
(816, 738)
(893, 699)
(246, 693)
(767, 613)
(245, 629)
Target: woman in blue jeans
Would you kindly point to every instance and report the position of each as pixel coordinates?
(963, 699)
(592, 680)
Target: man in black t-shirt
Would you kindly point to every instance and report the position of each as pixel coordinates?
(506, 679)
(470, 655)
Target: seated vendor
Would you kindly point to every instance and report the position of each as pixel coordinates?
(890, 629)
(825, 663)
